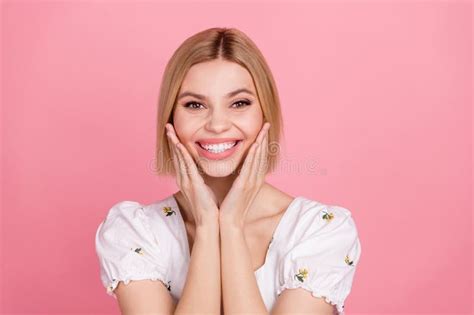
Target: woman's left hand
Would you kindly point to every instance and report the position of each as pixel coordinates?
(246, 186)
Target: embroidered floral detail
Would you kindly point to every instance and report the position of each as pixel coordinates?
(168, 211)
(328, 216)
(169, 286)
(302, 274)
(348, 261)
(138, 250)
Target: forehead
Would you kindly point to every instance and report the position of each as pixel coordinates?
(217, 77)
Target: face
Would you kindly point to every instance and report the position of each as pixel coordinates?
(217, 116)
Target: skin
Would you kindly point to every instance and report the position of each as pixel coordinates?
(228, 196)
(236, 185)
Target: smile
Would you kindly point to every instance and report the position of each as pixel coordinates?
(217, 151)
(218, 148)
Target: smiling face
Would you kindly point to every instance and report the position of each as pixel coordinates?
(208, 112)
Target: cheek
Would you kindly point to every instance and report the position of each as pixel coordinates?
(183, 126)
(252, 125)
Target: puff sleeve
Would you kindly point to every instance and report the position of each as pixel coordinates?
(127, 248)
(324, 255)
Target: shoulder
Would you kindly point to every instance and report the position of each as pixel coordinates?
(310, 207)
(132, 243)
(121, 217)
(127, 220)
(318, 221)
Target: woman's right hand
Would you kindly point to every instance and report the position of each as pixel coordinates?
(199, 196)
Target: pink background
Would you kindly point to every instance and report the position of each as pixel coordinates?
(376, 100)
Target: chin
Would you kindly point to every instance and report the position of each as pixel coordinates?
(216, 168)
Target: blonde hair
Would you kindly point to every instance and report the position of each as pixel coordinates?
(228, 44)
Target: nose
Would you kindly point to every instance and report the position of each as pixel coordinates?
(218, 121)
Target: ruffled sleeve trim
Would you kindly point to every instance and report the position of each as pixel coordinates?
(154, 276)
(324, 293)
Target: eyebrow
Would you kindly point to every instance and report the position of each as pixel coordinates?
(202, 97)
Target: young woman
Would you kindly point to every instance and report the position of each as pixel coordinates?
(227, 241)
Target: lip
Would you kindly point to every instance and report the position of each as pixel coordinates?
(218, 156)
(217, 140)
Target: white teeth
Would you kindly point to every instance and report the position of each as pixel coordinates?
(218, 148)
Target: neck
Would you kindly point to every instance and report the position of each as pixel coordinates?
(220, 186)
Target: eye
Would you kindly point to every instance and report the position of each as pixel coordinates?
(243, 103)
(240, 104)
(191, 105)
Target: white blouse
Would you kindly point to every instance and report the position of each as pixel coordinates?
(314, 246)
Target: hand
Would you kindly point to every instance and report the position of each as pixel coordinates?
(199, 196)
(246, 186)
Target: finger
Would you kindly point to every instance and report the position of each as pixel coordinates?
(262, 159)
(179, 146)
(262, 132)
(176, 158)
(191, 165)
(257, 164)
(182, 164)
(188, 160)
(249, 161)
(246, 167)
(265, 151)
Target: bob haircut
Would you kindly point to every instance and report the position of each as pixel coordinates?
(231, 45)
